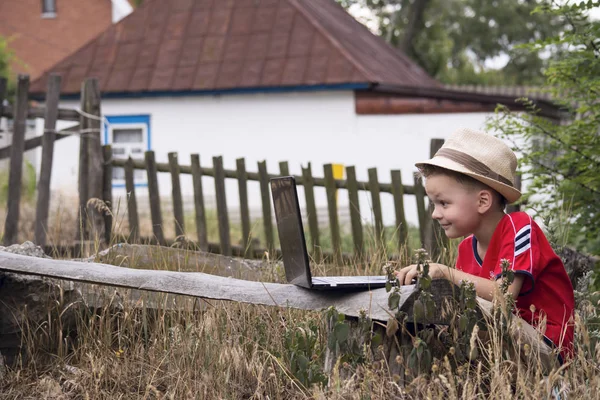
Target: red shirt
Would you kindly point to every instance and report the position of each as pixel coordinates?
(546, 286)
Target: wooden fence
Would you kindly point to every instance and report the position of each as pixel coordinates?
(95, 182)
(375, 188)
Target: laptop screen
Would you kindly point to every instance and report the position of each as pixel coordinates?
(291, 233)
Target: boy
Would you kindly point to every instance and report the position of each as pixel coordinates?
(470, 181)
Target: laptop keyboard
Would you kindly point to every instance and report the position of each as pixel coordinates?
(348, 279)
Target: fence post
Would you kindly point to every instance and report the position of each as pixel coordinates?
(436, 240)
(223, 217)
(401, 227)
(421, 212)
(91, 169)
(334, 226)
(377, 214)
(515, 207)
(263, 177)
(242, 177)
(199, 203)
(176, 192)
(11, 228)
(354, 204)
(132, 212)
(3, 89)
(43, 187)
(107, 192)
(311, 210)
(155, 213)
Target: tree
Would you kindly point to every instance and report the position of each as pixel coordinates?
(453, 39)
(562, 160)
(6, 56)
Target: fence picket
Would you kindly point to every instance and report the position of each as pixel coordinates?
(223, 217)
(355, 218)
(376, 204)
(265, 194)
(311, 210)
(401, 227)
(153, 193)
(244, 208)
(436, 239)
(201, 229)
(11, 227)
(132, 212)
(422, 214)
(334, 225)
(284, 169)
(48, 137)
(176, 192)
(107, 193)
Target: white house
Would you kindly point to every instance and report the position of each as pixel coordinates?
(274, 80)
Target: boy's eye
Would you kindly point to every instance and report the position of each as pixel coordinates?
(443, 203)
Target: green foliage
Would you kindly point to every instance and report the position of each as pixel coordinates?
(28, 184)
(304, 355)
(452, 39)
(560, 160)
(351, 348)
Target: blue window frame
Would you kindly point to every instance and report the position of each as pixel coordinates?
(129, 136)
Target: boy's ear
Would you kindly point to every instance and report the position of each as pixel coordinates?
(485, 201)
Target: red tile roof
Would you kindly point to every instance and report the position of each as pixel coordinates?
(193, 45)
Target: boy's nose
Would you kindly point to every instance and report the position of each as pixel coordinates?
(436, 214)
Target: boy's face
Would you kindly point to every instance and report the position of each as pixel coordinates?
(456, 206)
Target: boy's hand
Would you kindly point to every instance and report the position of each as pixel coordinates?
(407, 274)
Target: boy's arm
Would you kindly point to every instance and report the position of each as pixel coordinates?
(485, 288)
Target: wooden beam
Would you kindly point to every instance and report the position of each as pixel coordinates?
(210, 286)
(37, 141)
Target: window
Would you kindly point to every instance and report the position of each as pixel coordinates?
(129, 136)
(48, 8)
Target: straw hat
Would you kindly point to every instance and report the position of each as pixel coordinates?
(480, 156)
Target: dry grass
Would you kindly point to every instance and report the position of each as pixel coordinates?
(142, 348)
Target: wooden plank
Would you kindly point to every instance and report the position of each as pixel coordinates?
(265, 194)
(95, 179)
(37, 141)
(208, 286)
(355, 218)
(401, 226)
(39, 112)
(201, 229)
(376, 204)
(11, 227)
(49, 135)
(107, 193)
(334, 226)
(421, 212)
(222, 215)
(132, 211)
(153, 194)
(515, 207)
(284, 169)
(244, 208)
(253, 176)
(436, 240)
(311, 210)
(177, 198)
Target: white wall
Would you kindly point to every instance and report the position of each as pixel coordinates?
(297, 127)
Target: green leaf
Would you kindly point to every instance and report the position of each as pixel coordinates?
(341, 332)
(394, 301)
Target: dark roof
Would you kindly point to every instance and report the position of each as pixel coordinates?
(531, 92)
(196, 45)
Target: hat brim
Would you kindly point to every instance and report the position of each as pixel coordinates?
(510, 193)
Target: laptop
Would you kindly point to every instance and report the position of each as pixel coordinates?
(293, 244)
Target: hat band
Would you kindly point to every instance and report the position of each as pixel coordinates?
(471, 163)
